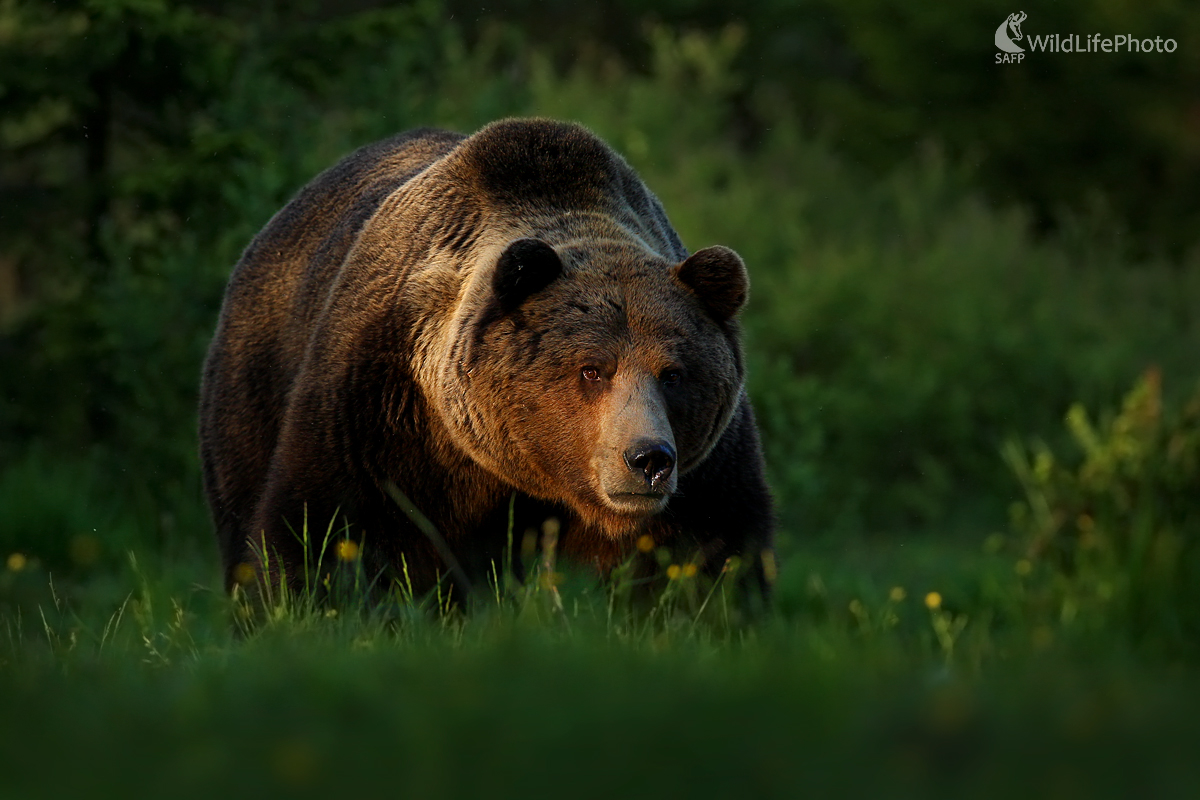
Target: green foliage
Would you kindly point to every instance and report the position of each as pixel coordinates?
(1119, 528)
(1092, 134)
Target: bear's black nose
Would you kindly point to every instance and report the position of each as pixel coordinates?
(654, 460)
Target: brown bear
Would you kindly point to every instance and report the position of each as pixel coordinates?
(503, 323)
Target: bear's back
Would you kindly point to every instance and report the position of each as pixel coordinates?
(523, 168)
(300, 249)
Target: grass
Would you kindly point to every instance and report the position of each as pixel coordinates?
(511, 714)
(901, 668)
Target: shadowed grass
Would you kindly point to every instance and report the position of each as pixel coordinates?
(548, 691)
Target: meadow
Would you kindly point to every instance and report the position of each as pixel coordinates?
(983, 438)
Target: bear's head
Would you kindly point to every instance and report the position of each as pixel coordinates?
(595, 373)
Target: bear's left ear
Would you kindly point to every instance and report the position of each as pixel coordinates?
(718, 278)
(525, 268)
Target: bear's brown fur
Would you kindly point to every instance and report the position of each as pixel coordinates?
(468, 318)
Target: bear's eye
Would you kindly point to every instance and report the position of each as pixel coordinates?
(591, 374)
(671, 377)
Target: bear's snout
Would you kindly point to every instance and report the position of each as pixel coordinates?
(636, 457)
(653, 461)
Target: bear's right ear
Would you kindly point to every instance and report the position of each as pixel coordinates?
(525, 268)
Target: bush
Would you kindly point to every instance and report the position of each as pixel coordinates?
(1119, 528)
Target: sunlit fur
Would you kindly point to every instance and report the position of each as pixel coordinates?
(362, 341)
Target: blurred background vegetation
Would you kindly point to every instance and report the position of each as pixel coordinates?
(946, 253)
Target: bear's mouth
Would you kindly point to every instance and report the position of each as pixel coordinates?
(639, 502)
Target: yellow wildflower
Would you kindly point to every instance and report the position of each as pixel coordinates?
(85, 549)
(645, 543)
(549, 580)
(17, 562)
(347, 550)
(243, 574)
(933, 601)
(673, 572)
